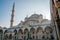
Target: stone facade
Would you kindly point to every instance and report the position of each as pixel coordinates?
(33, 28)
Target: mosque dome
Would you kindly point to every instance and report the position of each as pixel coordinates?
(41, 15)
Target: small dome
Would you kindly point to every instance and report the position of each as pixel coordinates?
(41, 15)
(26, 17)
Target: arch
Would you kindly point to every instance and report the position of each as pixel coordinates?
(20, 31)
(1, 34)
(26, 30)
(32, 30)
(20, 34)
(48, 32)
(5, 31)
(6, 37)
(15, 31)
(32, 33)
(39, 32)
(39, 29)
(48, 29)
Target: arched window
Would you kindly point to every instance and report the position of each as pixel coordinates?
(32, 30)
(6, 37)
(26, 31)
(20, 34)
(5, 31)
(39, 32)
(49, 32)
(15, 31)
(20, 31)
(39, 29)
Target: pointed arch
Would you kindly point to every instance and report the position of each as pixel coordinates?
(15, 31)
(32, 30)
(48, 29)
(5, 31)
(5, 35)
(20, 31)
(32, 33)
(39, 29)
(26, 31)
(39, 32)
(20, 34)
(48, 32)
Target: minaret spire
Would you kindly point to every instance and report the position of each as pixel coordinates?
(12, 16)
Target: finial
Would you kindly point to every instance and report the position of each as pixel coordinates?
(13, 6)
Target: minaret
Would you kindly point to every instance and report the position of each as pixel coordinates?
(12, 16)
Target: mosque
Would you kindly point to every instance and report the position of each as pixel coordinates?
(34, 27)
